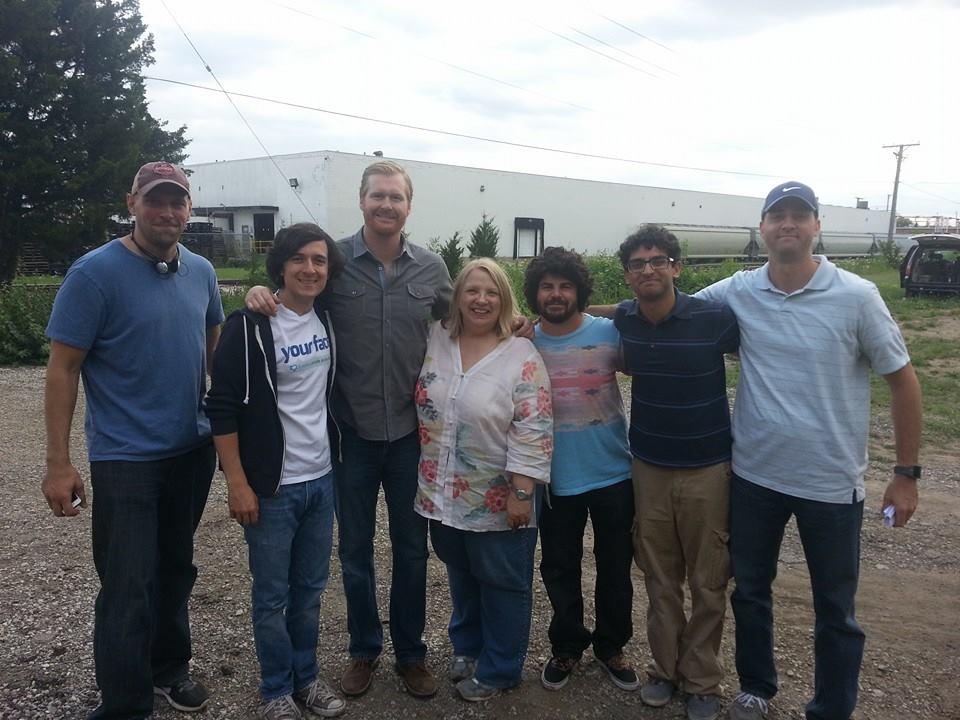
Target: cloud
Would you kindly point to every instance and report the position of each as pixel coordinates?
(811, 92)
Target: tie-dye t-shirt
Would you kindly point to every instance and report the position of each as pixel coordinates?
(589, 427)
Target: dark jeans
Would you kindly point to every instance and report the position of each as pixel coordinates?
(144, 517)
(561, 547)
(830, 534)
(366, 465)
(491, 590)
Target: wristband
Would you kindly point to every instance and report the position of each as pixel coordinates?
(910, 471)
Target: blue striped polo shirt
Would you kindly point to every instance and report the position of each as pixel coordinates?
(679, 414)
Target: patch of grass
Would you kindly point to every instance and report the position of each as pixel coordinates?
(934, 359)
(232, 273)
(929, 328)
(223, 273)
(37, 280)
(232, 300)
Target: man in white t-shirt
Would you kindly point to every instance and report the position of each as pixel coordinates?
(810, 333)
(268, 407)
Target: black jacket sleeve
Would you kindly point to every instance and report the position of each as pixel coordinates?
(228, 379)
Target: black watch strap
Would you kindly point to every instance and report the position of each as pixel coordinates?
(912, 471)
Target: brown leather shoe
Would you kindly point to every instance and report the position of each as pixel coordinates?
(358, 675)
(418, 681)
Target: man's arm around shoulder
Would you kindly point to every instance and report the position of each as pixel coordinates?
(905, 409)
(62, 481)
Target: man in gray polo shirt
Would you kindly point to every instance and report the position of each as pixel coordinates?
(810, 333)
(380, 305)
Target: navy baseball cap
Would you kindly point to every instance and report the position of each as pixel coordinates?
(792, 189)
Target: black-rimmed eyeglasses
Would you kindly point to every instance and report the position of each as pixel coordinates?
(657, 262)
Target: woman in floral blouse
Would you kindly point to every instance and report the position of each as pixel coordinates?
(486, 437)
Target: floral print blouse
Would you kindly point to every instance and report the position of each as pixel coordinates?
(477, 427)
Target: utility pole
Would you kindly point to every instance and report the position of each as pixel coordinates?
(896, 184)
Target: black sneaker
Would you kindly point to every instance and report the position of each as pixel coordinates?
(184, 695)
(556, 672)
(620, 671)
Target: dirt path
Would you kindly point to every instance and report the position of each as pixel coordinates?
(909, 605)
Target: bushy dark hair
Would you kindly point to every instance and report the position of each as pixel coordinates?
(649, 237)
(288, 242)
(567, 264)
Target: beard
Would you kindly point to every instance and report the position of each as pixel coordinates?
(558, 315)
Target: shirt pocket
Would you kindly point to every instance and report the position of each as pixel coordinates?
(348, 301)
(420, 300)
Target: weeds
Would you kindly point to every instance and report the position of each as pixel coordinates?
(24, 312)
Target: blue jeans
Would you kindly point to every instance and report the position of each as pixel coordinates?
(365, 466)
(289, 551)
(144, 517)
(561, 546)
(830, 534)
(491, 579)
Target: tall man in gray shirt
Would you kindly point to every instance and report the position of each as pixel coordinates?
(381, 305)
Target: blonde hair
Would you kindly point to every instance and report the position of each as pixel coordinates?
(385, 167)
(508, 303)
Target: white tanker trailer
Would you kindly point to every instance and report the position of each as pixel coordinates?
(707, 243)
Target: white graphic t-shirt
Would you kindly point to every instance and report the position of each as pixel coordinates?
(303, 361)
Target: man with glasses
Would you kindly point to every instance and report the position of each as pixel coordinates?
(673, 347)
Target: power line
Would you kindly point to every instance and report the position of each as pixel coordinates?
(466, 136)
(638, 34)
(593, 50)
(625, 52)
(408, 51)
(927, 192)
(230, 99)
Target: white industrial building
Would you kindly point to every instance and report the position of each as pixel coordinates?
(257, 197)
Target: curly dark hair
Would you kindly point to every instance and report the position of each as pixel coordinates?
(649, 236)
(288, 242)
(564, 263)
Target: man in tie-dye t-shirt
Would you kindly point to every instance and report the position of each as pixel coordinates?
(590, 473)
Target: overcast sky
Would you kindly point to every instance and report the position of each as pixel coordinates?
(762, 91)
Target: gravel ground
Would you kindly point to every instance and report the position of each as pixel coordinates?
(908, 605)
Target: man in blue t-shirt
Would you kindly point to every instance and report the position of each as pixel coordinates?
(138, 319)
(673, 347)
(590, 473)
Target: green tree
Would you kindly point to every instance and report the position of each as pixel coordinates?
(484, 239)
(450, 251)
(904, 222)
(74, 123)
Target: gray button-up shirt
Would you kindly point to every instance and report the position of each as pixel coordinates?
(381, 321)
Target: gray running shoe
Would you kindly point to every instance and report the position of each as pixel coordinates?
(320, 699)
(656, 692)
(461, 668)
(703, 707)
(748, 707)
(280, 708)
